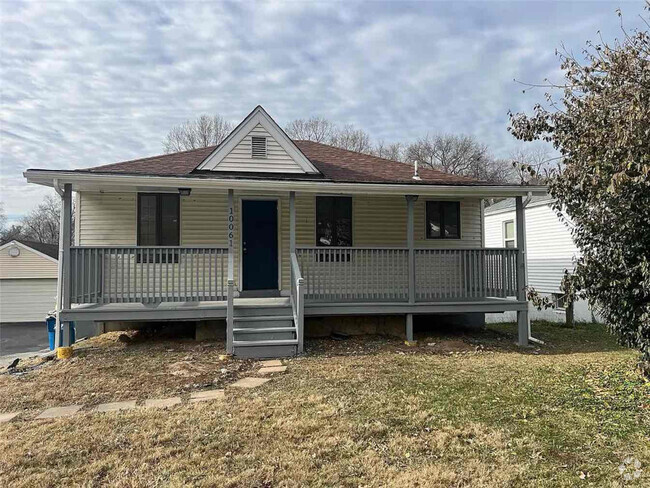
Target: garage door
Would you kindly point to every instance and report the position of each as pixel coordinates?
(26, 300)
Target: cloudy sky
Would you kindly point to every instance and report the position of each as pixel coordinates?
(96, 82)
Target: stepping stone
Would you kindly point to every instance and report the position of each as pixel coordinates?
(272, 369)
(271, 362)
(250, 382)
(115, 406)
(162, 402)
(7, 417)
(202, 396)
(57, 412)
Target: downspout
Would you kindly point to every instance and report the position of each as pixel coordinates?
(59, 282)
(525, 203)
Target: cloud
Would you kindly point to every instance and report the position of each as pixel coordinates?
(96, 82)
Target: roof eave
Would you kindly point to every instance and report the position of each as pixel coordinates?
(116, 182)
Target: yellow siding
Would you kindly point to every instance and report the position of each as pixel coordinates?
(277, 160)
(377, 221)
(107, 219)
(27, 265)
(470, 226)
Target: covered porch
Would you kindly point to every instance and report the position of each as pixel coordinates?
(140, 283)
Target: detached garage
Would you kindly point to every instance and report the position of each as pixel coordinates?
(28, 274)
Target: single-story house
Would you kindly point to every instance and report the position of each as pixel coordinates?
(28, 277)
(263, 231)
(550, 251)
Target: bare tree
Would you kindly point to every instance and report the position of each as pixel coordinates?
(459, 155)
(193, 134)
(42, 223)
(394, 151)
(352, 139)
(315, 129)
(531, 165)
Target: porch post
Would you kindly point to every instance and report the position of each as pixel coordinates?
(410, 241)
(66, 218)
(292, 222)
(523, 322)
(231, 273)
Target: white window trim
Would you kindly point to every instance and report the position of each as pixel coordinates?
(503, 233)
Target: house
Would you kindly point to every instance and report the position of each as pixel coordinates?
(28, 274)
(550, 251)
(263, 231)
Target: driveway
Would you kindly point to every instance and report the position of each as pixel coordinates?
(27, 337)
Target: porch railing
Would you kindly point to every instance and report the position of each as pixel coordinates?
(445, 274)
(298, 300)
(336, 274)
(343, 274)
(124, 274)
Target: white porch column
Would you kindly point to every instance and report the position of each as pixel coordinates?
(65, 242)
(523, 321)
(231, 272)
(410, 241)
(292, 222)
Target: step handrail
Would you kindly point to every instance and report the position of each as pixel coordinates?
(298, 300)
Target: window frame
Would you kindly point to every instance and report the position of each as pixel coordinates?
(442, 220)
(316, 219)
(158, 218)
(504, 234)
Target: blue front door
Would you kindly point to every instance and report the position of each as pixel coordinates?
(260, 244)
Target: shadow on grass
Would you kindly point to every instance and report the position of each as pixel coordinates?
(442, 338)
(558, 339)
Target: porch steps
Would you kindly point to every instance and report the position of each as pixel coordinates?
(264, 329)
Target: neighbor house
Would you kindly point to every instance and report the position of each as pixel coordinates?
(28, 277)
(550, 251)
(263, 231)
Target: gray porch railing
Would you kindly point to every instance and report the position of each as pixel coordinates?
(345, 274)
(336, 274)
(298, 300)
(124, 274)
(445, 274)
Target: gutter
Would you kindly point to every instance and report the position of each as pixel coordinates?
(118, 182)
(530, 336)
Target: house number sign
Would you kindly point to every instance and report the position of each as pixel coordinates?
(231, 227)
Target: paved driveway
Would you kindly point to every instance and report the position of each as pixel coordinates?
(16, 338)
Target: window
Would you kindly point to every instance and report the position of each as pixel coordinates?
(258, 147)
(158, 221)
(334, 221)
(560, 302)
(443, 220)
(509, 233)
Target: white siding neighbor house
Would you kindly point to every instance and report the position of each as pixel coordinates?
(261, 231)
(28, 274)
(549, 251)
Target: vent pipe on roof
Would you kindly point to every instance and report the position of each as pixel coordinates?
(416, 176)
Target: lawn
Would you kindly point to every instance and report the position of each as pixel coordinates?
(459, 410)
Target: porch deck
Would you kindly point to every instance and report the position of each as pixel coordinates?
(207, 310)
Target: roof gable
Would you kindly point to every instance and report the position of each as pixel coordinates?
(234, 153)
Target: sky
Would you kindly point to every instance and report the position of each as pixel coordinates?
(88, 83)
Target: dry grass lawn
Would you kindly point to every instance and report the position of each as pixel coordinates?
(471, 410)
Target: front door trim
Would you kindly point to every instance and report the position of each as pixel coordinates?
(240, 199)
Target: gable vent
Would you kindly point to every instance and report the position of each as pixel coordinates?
(258, 147)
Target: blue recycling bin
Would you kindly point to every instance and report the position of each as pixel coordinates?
(51, 331)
